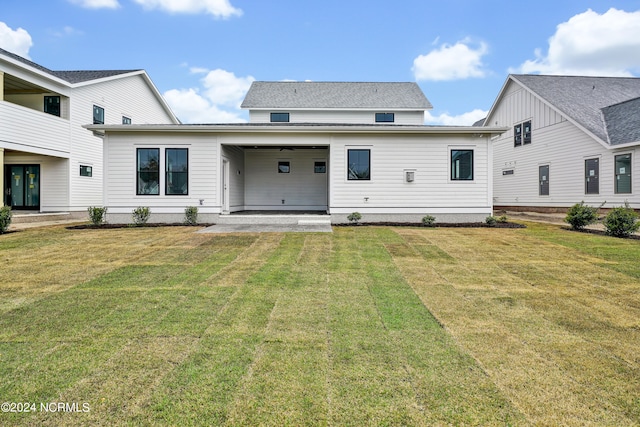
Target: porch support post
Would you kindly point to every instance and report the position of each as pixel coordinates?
(2, 176)
(1, 85)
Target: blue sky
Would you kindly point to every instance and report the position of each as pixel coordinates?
(203, 54)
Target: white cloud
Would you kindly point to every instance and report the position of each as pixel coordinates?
(15, 41)
(451, 62)
(591, 44)
(465, 119)
(97, 4)
(217, 101)
(217, 8)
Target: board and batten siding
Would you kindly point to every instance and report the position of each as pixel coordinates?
(129, 96)
(562, 146)
(432, 191)
(120, 161)
(338, 116)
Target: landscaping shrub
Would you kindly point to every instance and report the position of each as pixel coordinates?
(97, 215)
(5, 218)
(491, 221)
(141, 215)
(581, 215)
(428, 220)
(502, 219)
(354, 217)
(621, 221)
(191, 215)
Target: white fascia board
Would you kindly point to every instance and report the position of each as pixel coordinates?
(310, 129)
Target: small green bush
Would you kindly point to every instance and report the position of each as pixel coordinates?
(581, 215)
(5, 218)
(621, 221)
(502, 219)
(191, 215)
(491, 221)
(354, 217)
(141, 215)
(428, 220)
(97, 215)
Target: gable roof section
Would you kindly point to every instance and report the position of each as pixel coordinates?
(622, 122)
(583, 100)
(71, 77)
(336, 95)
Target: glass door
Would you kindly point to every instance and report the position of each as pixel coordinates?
(22, 186)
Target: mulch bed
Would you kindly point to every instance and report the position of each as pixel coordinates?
(113, 226)
(600, 233)
(437, 225)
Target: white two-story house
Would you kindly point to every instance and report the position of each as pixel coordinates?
(328, 147)
(50, 163)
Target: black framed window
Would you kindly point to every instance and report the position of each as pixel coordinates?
(385, 117)
(359, 165)
(279, 117)
(98, 115)
(126, 120)
(148, 171)
(52, 105)
(319, 167)
(526, 132)
(623, 174)
(86, 170)
(284, 167)
(176, 171)
(461, 165)
(522, 133)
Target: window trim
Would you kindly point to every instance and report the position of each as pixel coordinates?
(59, 112)
(451, 165)
(166, 172)
(617, 175)
(138, 193)
(96, 119)
(88, 170)
(273, 115)
(356, 179)
(385, 117)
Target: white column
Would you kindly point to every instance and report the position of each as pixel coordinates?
(1, 85)
(2, 177)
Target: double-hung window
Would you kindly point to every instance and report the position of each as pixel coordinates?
(359, 165)
(462, 165)
(176, 171)
(148, 171)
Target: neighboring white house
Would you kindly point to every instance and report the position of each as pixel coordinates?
(50, 162)
(329, 147)
(570, 139)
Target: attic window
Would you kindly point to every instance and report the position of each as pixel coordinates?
(385, 117)
(279, 117)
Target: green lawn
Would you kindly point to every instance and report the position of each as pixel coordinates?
(365, 326)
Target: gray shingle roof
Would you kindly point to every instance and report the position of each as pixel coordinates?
(72, 77)
(623, 121)
(585, 100)
(356, 95)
